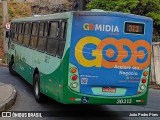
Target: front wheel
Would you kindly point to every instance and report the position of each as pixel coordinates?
(11, 67)
(36, 85)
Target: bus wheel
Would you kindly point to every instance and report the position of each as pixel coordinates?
(36, 85)
(11, 67)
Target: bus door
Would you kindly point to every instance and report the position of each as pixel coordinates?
(8, 41)
(52, 62)
(12, 36)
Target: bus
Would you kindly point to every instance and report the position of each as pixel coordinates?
(83, 57)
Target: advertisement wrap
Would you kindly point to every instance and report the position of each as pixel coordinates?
(111, 54)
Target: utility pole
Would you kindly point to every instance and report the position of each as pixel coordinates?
(81, 4)
(5, 20)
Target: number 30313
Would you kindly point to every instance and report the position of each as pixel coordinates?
(124, 101)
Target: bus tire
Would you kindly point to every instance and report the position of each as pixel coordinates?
(11, 70)
(36, 86)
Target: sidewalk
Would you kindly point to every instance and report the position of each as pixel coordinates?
(8, 96)
(3, 64)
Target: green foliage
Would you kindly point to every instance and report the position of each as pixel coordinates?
(149, 8)
(113, 5)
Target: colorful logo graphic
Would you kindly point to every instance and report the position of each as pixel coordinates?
(88, 26)
(101, 27)
(110, 52)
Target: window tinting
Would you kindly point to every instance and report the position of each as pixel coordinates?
(52, 41)
(26, 34)
(61, 48)
(33, 40)
(15, 32)
(34, 28)
(53, 29)
(15, 27)
(62, 39)
(26, 28)
(42, 36)
(11, 31)
(20, 28)
(20, 33)
(43, 29)
(12, 26)
(63, 30)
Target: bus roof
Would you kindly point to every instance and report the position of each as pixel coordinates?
(46, 17)
(111, 13)
(66, 15)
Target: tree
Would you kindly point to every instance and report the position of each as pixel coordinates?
(149, 8)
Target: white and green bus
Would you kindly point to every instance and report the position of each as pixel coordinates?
(91, 57)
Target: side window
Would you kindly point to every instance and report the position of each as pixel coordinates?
(52, 41)
(15, 32)
(62, 39)
(34, 31)
(11, 31)
(12, 26)
(26, 34)
(20, 33)
(42, 36)
(63, 30)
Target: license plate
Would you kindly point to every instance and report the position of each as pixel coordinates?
(109, 89)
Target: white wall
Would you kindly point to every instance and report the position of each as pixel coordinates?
(155, 63)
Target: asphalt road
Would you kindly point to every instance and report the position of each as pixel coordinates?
(26, 102)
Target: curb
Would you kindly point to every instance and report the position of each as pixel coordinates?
(3, 65)
(154, 86)
(10, 101)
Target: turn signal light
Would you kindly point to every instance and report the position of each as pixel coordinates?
(73, 70)
(74, 77)
(145, 73)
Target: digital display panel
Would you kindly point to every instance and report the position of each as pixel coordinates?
(134, 28)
